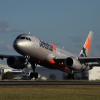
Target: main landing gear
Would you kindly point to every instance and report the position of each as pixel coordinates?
(71, 75)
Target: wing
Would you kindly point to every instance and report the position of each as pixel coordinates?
(82, 59)
(7, 56)
(89, 59)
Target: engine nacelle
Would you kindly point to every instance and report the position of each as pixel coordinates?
(16, 62)
(73, 63)
(69, 61)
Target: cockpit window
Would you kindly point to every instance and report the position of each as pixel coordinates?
(22, 38)
(25, 38)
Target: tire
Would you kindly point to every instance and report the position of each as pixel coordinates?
(34, 74)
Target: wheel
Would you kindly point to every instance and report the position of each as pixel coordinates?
(34, 74)
(31, 75)
(70, 76)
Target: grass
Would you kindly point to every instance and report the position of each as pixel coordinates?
(50, 93)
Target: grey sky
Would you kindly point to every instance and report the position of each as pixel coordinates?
(66, 22)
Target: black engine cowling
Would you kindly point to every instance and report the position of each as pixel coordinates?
(73, 63)
(16, 62)
(69, 61)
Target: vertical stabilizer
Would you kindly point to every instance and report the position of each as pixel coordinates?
(86, 50)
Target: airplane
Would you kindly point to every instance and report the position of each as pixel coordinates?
(38, 52)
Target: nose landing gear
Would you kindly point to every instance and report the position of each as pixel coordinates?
(34, 74)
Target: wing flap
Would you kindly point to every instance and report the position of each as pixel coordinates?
(89, 59)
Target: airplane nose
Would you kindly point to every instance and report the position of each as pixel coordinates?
(19, 45)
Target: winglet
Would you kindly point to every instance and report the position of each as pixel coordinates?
(86, 50)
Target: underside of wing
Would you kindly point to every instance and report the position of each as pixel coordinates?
(89, 59)
(7, 56)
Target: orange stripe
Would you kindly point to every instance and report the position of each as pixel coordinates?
(88, 44)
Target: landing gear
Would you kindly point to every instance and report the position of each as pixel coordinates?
(33, 74)
(70, 76)
(33, 66)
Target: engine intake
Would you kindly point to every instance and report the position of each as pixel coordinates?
(16, 62)
(73, 63)
(69, 62)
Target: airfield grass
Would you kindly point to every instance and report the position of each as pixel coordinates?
(50, 93)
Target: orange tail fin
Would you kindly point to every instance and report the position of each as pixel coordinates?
(86, 50)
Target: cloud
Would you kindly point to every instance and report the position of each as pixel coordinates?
(5, 27)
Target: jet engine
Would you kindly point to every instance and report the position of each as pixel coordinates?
(73, 63)
(16, 62)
